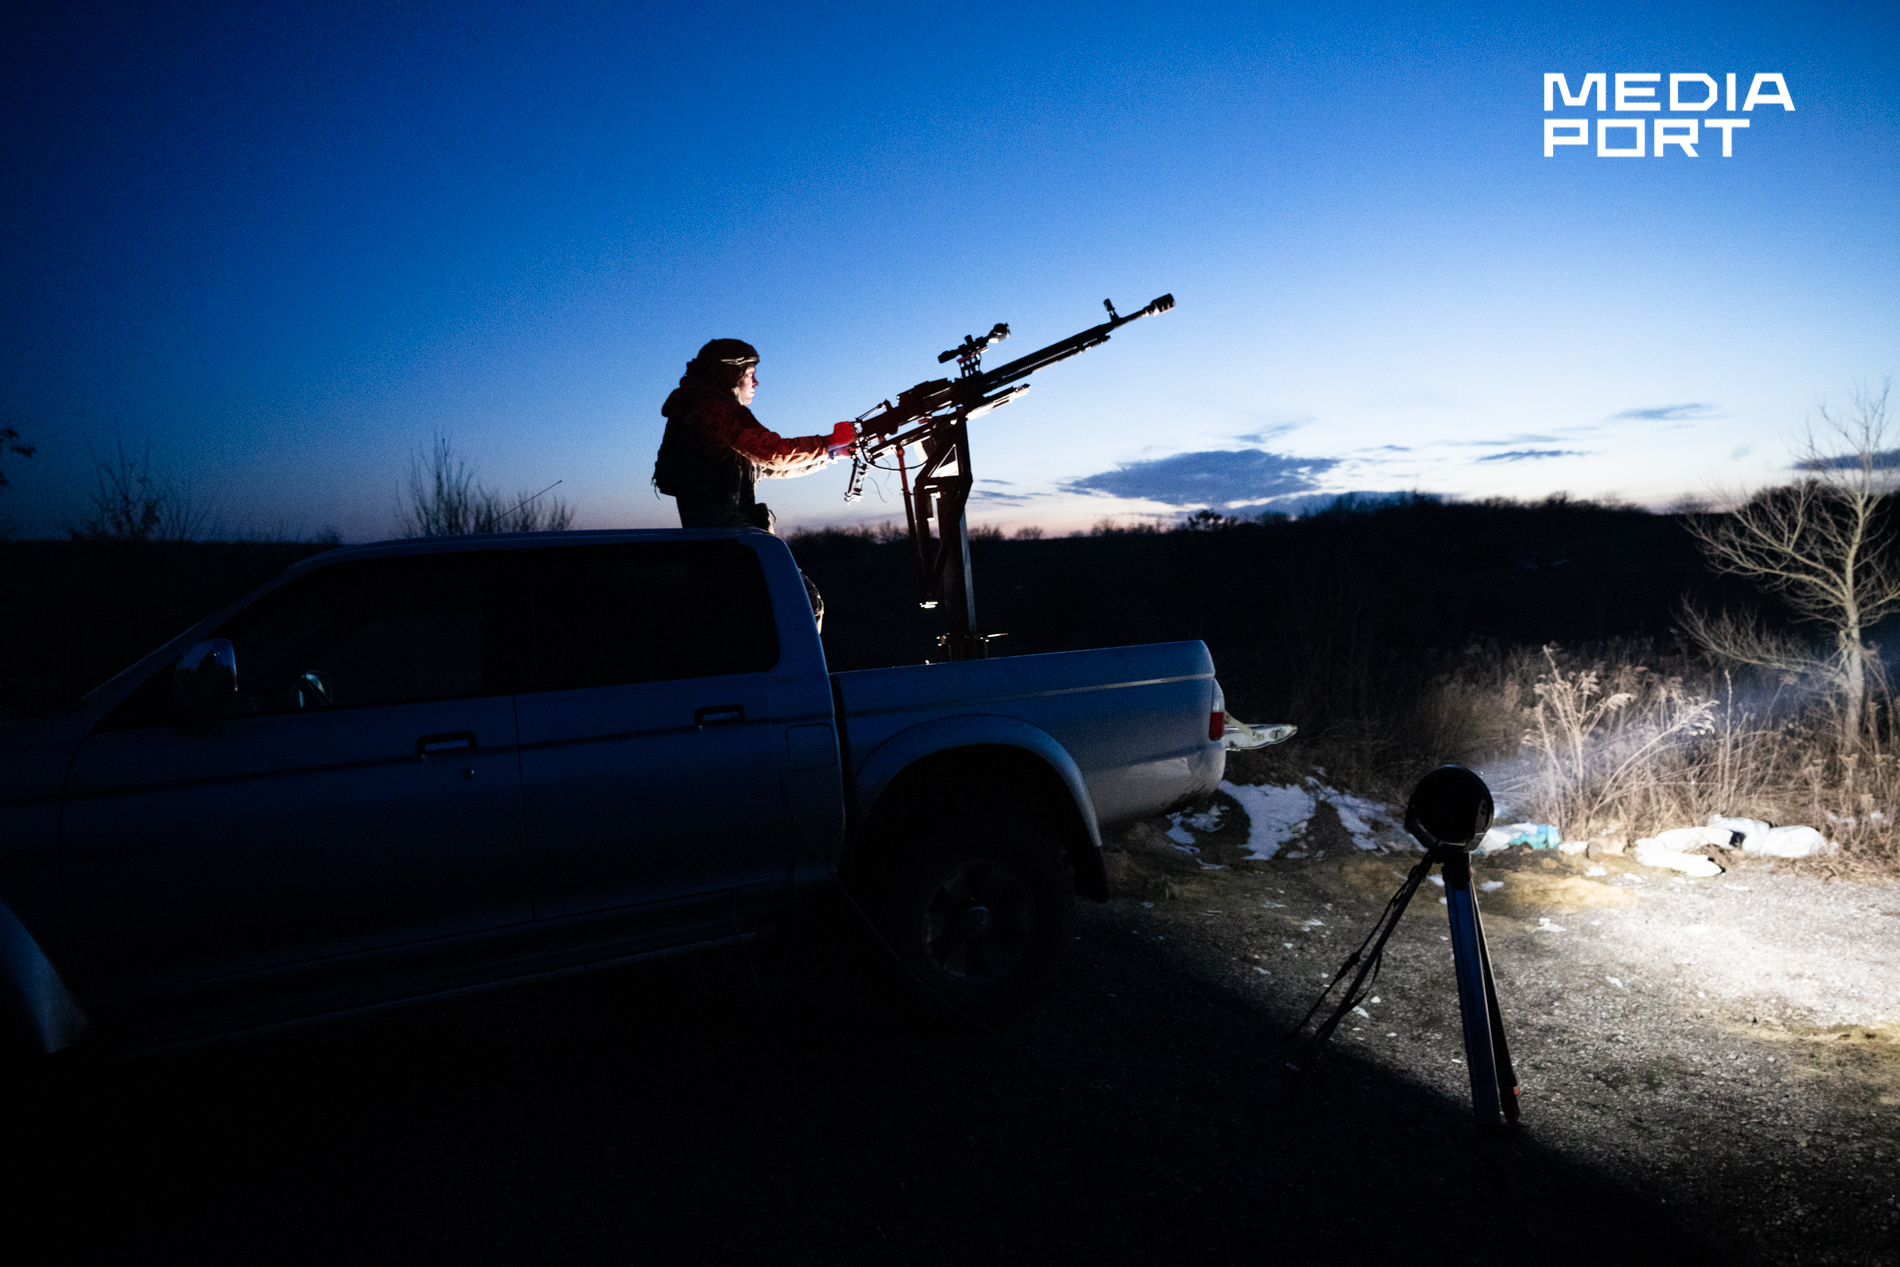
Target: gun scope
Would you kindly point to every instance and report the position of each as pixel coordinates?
(972, 346)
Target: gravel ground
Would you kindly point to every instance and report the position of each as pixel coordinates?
(1725, 1046)
(664, 1113)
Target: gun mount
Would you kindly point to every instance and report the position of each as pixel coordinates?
(933, 417)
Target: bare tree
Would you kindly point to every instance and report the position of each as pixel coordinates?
(129, 502)
(439, 496)
(1822, 545)
(442, 498)
(10, 442)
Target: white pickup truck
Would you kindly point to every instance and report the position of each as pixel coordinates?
(409, 769)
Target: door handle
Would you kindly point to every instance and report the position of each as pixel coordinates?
(462, 741)
(718, 715)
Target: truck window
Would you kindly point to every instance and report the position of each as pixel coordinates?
(610, 615)
(353, 635)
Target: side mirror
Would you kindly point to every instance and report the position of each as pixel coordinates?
(205, 680)
(1451, 806)
(312, 690)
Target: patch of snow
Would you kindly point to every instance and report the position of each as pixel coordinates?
(1360, 816)
(1181, 827)
(1681, 838)
(1275, 815)
(1278, 814)
(1792, 842)
(1179, 824)
(1746, 832)
(1595, 870)
(1208, 821)
(1490, 886)
(1665, 849)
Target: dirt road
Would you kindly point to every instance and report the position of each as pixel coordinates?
(1146, 1115)
(1723, 1047)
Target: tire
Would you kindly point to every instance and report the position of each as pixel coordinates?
(976, 915)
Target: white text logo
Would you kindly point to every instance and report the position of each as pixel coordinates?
(1692, 94)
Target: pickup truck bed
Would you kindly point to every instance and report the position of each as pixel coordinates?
(1129, 724)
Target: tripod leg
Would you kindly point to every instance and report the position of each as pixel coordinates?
(1507, 1075)
(1467, 950)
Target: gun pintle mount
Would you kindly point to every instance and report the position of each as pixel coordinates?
(934, 417)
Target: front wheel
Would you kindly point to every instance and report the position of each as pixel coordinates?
(976, 914)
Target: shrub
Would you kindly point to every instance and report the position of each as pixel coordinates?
(130, 502)
(1614, 750)
(442, 498)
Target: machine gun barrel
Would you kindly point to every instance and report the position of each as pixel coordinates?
(888, 426)
(1074, 345)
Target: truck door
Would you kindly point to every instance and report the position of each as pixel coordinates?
(363, 792)
(650, 764)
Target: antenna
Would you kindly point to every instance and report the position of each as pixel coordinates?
(524, 501)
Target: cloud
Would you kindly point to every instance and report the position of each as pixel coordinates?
(991, 495)
(1273, 431)
(990, 481)
(1526, 455)
(1884, 460)
(1665, 413)
(1208, 479)
(1521, 438)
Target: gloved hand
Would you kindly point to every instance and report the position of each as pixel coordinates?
(843, 436)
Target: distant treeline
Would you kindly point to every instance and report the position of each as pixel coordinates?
(1310, 620)
(1313, 620)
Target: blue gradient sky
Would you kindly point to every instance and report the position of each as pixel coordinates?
(283, 245)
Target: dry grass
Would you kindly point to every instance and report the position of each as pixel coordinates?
(1627, 742)
(1621, 741)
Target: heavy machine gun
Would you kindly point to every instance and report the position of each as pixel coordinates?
(934, 417)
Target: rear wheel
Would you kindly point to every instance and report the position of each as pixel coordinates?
(976, 913)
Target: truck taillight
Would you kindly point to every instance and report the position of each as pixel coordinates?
(1216, 725)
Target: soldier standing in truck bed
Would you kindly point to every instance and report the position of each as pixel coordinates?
(715, 451)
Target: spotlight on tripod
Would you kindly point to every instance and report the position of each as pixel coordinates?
(1448, 814)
